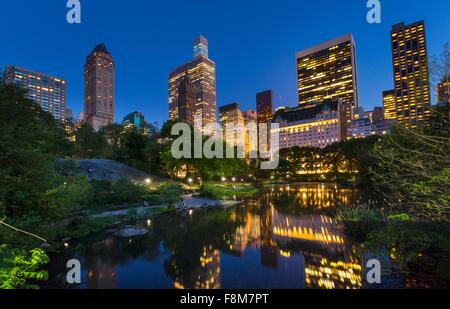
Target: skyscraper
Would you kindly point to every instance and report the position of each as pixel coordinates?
(192, 88)
(99, 88)
(264, 111)
(411, 78)
(389, 104)
(46, 90)
(326, 71)
(264, 106)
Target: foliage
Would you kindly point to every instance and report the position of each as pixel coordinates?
(360, 219)
(18, 268)
(220, 191)
(338, 162)
(167, 194)
(412, 172)
(29, 141)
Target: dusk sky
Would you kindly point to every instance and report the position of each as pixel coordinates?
(253, 43)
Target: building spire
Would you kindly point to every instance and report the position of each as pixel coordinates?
(200, 47)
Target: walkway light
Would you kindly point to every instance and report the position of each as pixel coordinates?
(224, 179)
(148, 181)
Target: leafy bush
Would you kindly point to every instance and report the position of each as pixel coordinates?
(167, 194)
(359, 220)
(17, 267)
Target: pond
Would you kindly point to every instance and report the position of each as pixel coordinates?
(283, 237)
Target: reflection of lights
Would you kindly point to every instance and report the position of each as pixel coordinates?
(285, 253)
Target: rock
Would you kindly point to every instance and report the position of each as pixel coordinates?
(130, 231)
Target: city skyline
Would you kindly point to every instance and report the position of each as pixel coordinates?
(233, 85)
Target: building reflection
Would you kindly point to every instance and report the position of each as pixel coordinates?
(101, 272)
(206, 275)
(328, 261)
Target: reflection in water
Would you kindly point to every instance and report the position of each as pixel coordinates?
(269, 242)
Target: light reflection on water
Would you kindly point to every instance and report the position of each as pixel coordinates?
(279, 239)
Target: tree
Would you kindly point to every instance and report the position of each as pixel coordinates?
(29, 142)
(17, 267)
(411, 174)
(88, 143)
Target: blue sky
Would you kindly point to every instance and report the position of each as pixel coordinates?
(253, 43)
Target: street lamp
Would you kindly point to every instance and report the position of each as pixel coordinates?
(224, 179)
(233, 179)
(148, 181)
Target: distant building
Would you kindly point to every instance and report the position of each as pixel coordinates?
(411, 77)
(231, 116)
(365, 124)
(328, 71)
(135, 120)
(390, 111)
(361, 125)
(80, 118)
(378, 114)
(192, 88)
(264, 111)
(250, 120)
(46, 90)
(314, 125)
(99, 88)
(443, 91)
(69, 114)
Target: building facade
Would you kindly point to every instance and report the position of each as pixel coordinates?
(46, 90)
(99, 88)
(192, 88)
(315, 125)
(411, 77)
(365, 124)
(327, 71)
(390, 111)
(231, 118)
(134, 120)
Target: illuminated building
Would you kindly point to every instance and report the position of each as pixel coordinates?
(327, 71)
(250, 120)
(192, 88)
(99, 88)
(378, 114)
(231, 116)
(46, 90)
(389, 104)
(242, 122)
(411, 78)
(318, 125)
(135, 120)
(360, 126)
(443, 91)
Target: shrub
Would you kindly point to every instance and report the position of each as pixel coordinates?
(18, 267)
(360, 220)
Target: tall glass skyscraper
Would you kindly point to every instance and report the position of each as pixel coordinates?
(411, 78)
(99, 88)
(326, 71)
(192, 88)
(46, 90)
